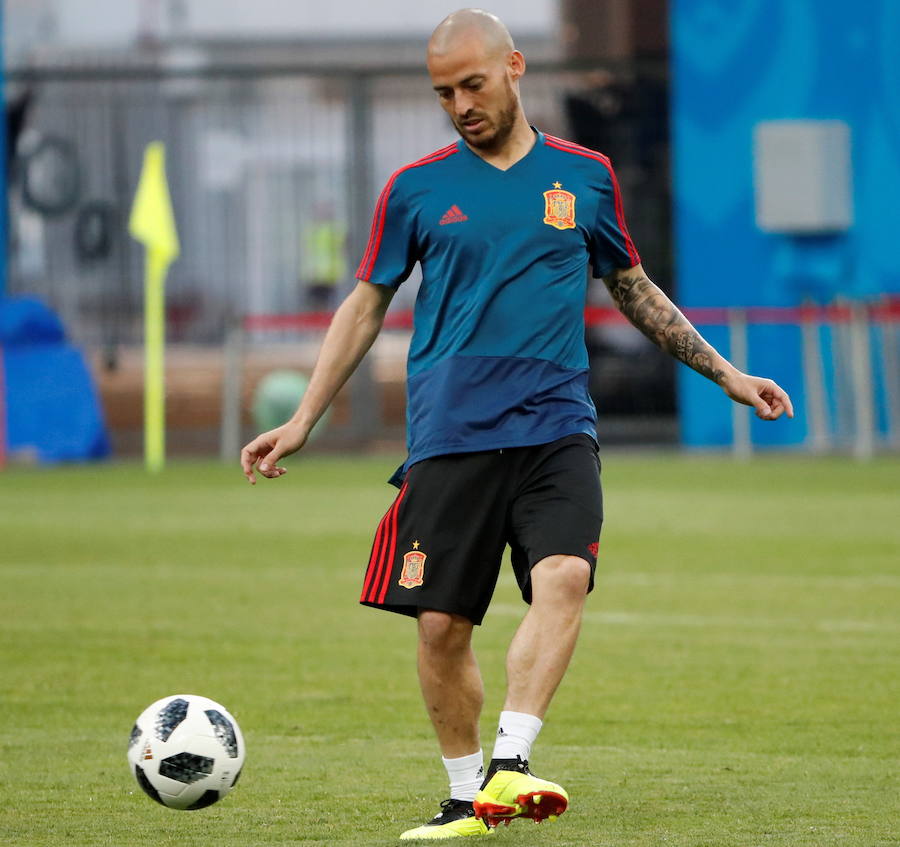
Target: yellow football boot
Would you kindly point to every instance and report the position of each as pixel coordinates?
(511, 791)
(456, 819)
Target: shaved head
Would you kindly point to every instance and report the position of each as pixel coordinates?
(468, 24)
(475, 70)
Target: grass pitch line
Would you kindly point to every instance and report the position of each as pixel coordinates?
(651, 579)
(729, 621)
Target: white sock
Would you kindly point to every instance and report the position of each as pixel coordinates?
(515, 735)
(466, 774)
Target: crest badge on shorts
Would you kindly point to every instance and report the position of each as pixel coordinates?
(559, 207)
(413, 573)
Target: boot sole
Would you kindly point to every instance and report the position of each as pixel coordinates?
(536, 805)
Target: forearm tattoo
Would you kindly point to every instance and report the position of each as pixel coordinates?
(658, 318)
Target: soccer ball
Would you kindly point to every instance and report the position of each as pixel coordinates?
(186, 751)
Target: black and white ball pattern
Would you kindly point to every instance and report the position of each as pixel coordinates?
(186, 751)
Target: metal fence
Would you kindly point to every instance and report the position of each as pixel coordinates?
(259, 159)
(256, 159)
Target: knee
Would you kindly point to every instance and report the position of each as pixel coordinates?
(574, 576)
(562, 576)
(444, 632)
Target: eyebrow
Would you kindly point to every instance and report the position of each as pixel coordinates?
(465, 81)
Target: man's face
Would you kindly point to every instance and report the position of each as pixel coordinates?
(476, 90)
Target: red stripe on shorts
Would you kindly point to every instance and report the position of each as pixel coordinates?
(380, 564)
(393, 539)
(376, 555)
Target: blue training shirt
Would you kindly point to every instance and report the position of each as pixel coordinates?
(497, 357)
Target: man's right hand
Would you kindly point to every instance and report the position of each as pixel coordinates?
(267, 449)
(353, 328)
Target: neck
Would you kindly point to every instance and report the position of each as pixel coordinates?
(516, 146)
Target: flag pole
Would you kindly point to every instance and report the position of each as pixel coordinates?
(154, 362)
(152, 222)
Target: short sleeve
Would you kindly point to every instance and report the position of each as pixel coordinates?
(611, 245)
(391, 252)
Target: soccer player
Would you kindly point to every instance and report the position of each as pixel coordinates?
(500, 427)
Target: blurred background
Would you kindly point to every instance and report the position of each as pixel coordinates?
(757, 144)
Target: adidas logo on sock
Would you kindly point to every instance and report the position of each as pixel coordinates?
(500, 732)
(453, 215)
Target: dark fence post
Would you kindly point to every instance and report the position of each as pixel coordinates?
(365, 403)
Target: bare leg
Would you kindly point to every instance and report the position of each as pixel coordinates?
(451, 682)
(545, 640)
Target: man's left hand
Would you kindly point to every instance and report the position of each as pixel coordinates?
(768, 399)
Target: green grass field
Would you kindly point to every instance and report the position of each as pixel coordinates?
(737, 682)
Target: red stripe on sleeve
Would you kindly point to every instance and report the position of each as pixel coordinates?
(578, 150)
(572, 147)
(379, 206)
(367, 265)
(620, 217)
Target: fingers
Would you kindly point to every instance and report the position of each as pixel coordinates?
(261, 451)
(268, 465)
(782, 397)
(772, 402)
(248, 458)
(779, 401)
(768, 399)
(771, 412)
(764, 411)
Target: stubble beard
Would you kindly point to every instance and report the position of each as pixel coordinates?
(506, 120)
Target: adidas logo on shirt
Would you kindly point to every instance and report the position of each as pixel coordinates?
(453, 215)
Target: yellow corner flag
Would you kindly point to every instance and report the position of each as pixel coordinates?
(153, 224)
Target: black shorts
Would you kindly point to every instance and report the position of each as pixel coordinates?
(441, 543)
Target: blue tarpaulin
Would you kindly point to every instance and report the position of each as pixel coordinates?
(51, 405)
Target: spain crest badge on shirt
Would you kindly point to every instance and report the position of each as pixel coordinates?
(413, 573)
(559, 207)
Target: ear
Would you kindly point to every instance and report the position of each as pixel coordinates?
(515, 65)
